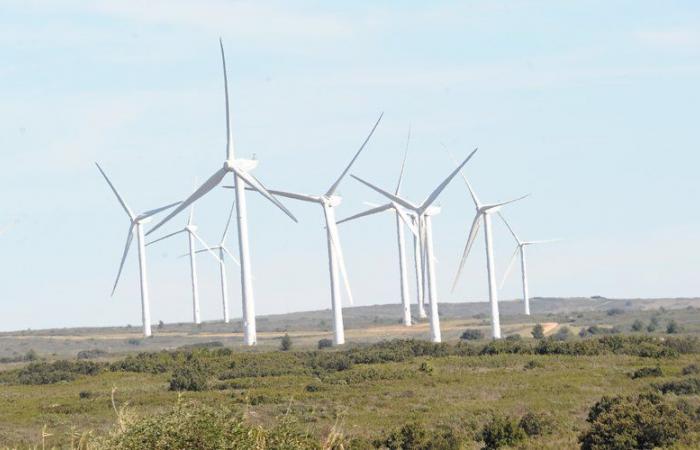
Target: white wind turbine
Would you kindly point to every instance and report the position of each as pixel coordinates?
(223, 254)
(241, 169)
(484, 211)
(336, 262)
(401, 218)
(136, 222)
(520, 248)
(423, 212)
(191, 230)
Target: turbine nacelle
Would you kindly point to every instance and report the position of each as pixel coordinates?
(143, 219)
(191, 228)
(245, 165)
(432, 210)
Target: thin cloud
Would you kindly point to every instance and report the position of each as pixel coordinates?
(682, 39)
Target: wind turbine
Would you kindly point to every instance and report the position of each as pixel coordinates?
(191, 230)
(424, 212)
(223, 254)
(136, 222)
(520, 248)
(336, 262)
(241, 169)
(484, 211)
(401, 218)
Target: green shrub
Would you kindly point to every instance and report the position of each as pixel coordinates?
(637, 325)
(538, 331)
(673, 327)
(325, 343)
(645, 372)
(472, 334)
(49, 373)
(615, 311)
(536, 424)
(91, 354)
(692, 369)
(286, 343)
(533, 364)
(190, 377)
(641, 422)
(686, 386)
(564, 333)
(501, 431)
(415, 436)
(425, 367)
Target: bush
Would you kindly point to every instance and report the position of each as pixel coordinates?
(673, 327)
(653, 324)
(472, 334)
(425, 367)
(190, 377)
(415, 436)
(286, 343)
(50, 373)
(637, 325)
(564, 333)
(615, 311)
(533, 364)
(538, 331)
(325, 343)
(691, 369)
(642, 422)
(514, 337)
(645, 372)
(534, 424)
(91, 354)
(686, 386)
(501, 431)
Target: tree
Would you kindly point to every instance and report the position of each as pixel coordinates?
(638, 325)
(538, 331)
(562, 334)
(653, 324)
(500, 432)
(286, 343)
(324, 343)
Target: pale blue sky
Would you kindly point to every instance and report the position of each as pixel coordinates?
(592, 107)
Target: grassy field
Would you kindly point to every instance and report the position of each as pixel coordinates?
(461, 389)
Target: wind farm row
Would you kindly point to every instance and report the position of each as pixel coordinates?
(416, 217)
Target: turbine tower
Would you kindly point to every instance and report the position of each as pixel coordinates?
(336, 262)
(423, 213)
(520, 248)
(136, 223)
(401, 219)
(484, 211)
(240, 168)
(191, 230)
(223, 254)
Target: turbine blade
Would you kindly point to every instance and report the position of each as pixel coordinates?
(229, 137)
(545, 241)
(469, 186)
(153, 212)
(129, 238)
(207, 247)
(467, 248)
(166, 237)
(509, 228)
(190, 218)
(509, 267)
(386, 194)
(257, 185)
(497, 206)
(368, 212)
(294, 195)
(335, 241)
(208, 185)
(403, 164)
(228, 222)
(434, 195)
(231, 255)
(202, 251)
(119, 197)
(332, 189)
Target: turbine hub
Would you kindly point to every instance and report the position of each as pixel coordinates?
(191, 227)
